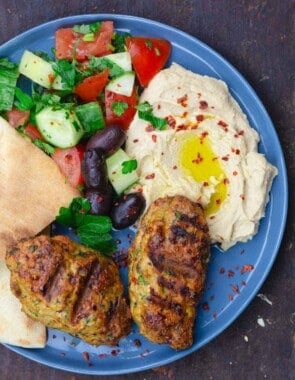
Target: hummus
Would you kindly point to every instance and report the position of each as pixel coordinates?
(208, 153)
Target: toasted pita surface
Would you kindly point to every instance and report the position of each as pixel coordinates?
(32, 188)
(15, 327)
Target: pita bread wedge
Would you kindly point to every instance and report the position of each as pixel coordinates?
(32, 188)
(15, 327)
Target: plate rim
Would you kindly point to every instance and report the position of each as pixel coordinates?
(280, 155)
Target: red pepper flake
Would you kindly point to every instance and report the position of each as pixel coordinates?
(102, 356)
(203, 105)
(199, 94)
(198, 159)
(174, 167)
(171, 121)
(230, 297)
(214, 315)
(115, 352)
(230, 273)
(200, 117)
(205, 306)
(159, 106)
(181, 127)
(205, 183)
(86, 356)
(247, 268)
(222, 123)
(235, 288)
(242, 196)
(226, 181)
(183, 100)
(239, 133)
(221, 270)
(218, 201)
(149, 128)
(203, 136)
(235, 173)
(225, 158)
(137, 343)
(184, 115)
(212, 217)
(154, 138)
(150, 176)
(214, 158)
(237, 151)
(243, 283)
(135, 141)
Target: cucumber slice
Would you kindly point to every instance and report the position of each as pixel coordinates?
(123, 84)
(59, 127)
(36, 69)
(120, 181)
(121, 59)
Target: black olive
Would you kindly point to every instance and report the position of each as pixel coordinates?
(100, 201)
(94, 170)
(126, 210)
(108, 140)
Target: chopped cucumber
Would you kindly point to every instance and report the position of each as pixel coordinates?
(39, 71)
(120, 181)
(60, 127)
(121, 59)
(91, 117)
(123, 84)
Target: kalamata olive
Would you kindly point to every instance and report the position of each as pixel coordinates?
(94, 170)
(126, 210)
(100, 201)
(108, 140)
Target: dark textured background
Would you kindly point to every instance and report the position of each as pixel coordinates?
(257, 37)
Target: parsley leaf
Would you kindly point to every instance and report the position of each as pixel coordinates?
(66, 70)
(129, 166)
(92, 230)
(47, 148)
(119, 107)
(145, 112)
(119, 42)
(24, 101)
(102, 63)
(87, 28)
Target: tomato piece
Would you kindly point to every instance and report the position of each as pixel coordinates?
(69, 44)
(148, 56)
(16, 118)
(33, 132)
(126, 117)
(89, 89)
(69, 162)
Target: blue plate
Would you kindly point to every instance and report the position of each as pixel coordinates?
(234, 277)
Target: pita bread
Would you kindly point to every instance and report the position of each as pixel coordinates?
(32, 188)
(32, 191)
(15, 327)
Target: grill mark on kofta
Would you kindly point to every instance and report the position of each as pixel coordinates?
(90, 283)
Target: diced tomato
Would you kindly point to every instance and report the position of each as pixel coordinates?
(69, 162)
(89, 89)
(33, 132)
(69, 44)
(148, 56)
(125, 119)
(17, 118)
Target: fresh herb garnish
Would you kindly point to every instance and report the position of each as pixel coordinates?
(102, 63)
(119, 107)
(24, 102)
(67, 72)
(129, 166)
(87, 28)
(47, 148)
(145, 112)
(119, 42)
(92, 230)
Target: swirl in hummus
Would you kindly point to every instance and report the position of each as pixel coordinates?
(208, 153)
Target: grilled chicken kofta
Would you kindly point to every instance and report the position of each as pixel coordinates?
(69, 287)
(167, 268)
